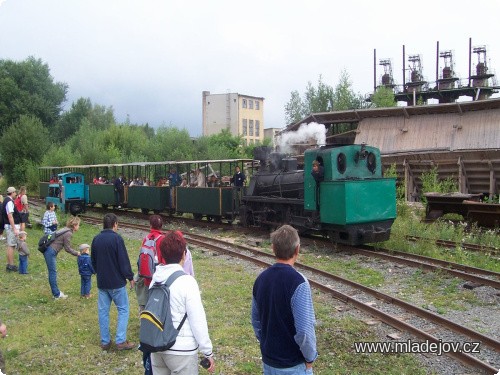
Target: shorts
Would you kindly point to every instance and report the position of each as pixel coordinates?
(24, 217)
(11, 237)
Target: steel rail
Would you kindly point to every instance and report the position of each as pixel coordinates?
(386, 318)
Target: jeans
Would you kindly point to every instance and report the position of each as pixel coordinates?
(86, 284)
(120, 298)
(300, 369)
(23, 264)
(50, 259)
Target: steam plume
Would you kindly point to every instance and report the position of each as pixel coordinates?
(312, 134)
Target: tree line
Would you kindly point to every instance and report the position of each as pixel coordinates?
(35, 131)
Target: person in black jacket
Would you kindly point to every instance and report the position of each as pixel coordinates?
(112, 265)
(12, 225)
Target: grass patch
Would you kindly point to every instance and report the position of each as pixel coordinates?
(438, 290)
(47, 336)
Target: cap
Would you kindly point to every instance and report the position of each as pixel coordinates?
(11, 189)
(83, 246)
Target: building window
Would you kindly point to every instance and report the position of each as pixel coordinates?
(250, 126)
(244, 126)
(257, 128)
(257, 105)
(250, 104)
(244, 103)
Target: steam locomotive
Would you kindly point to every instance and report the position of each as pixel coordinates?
(353, 204)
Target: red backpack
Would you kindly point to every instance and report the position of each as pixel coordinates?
(148, 260)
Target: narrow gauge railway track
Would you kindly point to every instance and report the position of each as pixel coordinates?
(226, 248)
(452, 245)
(431, 264)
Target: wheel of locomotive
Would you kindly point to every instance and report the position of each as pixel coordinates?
(92, 205)
(105, 206)
(217, 219)
(210, 218)
(145, 211)
(75, 208)
(197, 216)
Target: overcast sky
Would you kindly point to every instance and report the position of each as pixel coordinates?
(151, 59)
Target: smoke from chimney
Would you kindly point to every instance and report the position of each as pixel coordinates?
(304, 135)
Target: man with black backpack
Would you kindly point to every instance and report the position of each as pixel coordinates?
(12, 224)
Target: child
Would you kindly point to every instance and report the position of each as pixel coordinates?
(22, 248)
(49, 220)
(86, 270)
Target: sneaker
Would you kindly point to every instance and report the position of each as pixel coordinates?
(106, 347)
(125, 346)
(12, 267)
(61, 296)
(2, 238)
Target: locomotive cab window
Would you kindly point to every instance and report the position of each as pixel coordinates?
(371, 162)
(341, 163)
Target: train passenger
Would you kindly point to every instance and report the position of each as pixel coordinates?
(50, 255)
(200, 178)
(283, 312)
(213, 182)
(184, 182)
(238, 178)
(174, 178)
(185, 300)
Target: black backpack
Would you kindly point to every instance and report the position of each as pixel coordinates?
(157, 332)
(45, 241)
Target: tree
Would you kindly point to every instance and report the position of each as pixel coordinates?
(294, 111)
(383, 97)
(23, 145)
(323, 98)
(344, 98)
(27, 88)
(99, 118)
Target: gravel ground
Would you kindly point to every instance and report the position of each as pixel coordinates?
(484, 318)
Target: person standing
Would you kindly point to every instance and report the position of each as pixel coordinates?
(119, 191)
(85, 270)
(21, 203)
(185, 298)
(22, 248)
(49, 220)
(12, 224)
(282, 310)
(141, 283)
(63, 240)
(112, 265)
(238, 178)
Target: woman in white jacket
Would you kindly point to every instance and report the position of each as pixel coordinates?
(182, 358)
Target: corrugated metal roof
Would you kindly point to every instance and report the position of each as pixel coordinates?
(356, 115)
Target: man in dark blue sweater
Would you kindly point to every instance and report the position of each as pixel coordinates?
(282, 310)
(112, 265)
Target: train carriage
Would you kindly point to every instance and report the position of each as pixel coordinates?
(353, 203)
